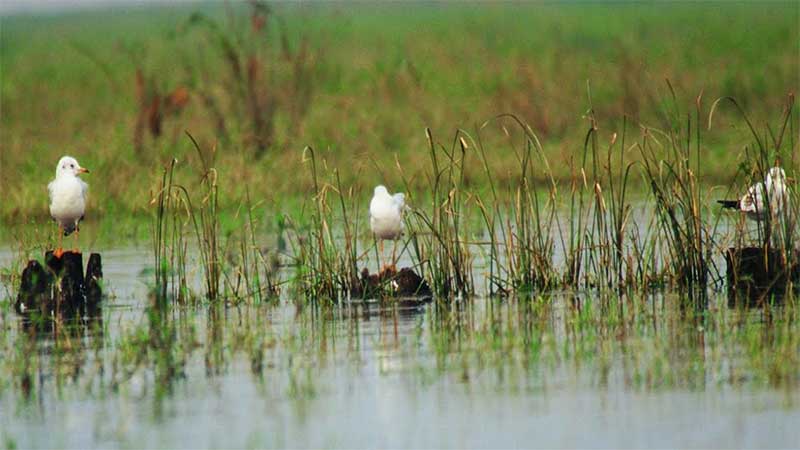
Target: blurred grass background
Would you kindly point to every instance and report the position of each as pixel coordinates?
(360, 83)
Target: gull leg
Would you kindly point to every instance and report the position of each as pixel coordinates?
(394, 255)
(380, 256)
(76, 250)
(59, 251)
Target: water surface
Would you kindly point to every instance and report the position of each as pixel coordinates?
(487, 373)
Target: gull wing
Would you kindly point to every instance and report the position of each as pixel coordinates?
(84, 191)
(84, 188)
(753, 200)
(50, 192)
(374, 206)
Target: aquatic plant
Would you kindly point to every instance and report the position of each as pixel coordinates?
(169, 246)
(251, 274)
(521, 242)
(676, 189)
(440, 243)
(326, 262)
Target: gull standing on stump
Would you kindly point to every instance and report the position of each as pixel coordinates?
(386, 217)
(67, 199)
(754, 202)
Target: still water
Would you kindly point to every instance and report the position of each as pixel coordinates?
(487, 373)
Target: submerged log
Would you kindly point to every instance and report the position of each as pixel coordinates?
(409, 284)
(389, 283)
(60, 287)
(754, 274)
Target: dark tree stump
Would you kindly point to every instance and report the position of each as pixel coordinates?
(93, 282)
(369, 286)
(60, 288)
(409, 284)
(68, 294)
(389, 283)
(35, 289)
(755, 274)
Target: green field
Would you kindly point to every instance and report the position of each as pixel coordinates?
(559, 275)
(360, 83)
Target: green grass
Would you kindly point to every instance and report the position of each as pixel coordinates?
(371, 79)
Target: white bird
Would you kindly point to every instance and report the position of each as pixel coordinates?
(386, 216)
(67, 199)
(754, 202)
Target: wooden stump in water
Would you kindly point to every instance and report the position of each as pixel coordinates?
(389, 283)
(35, 289)
(92, 283)
(409, 284)
(60, 287)
(754, 274)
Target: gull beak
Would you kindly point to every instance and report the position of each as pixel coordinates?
(83, 170)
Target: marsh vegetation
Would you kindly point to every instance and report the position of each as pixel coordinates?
(567, 229)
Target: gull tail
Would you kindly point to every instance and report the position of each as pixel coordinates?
(729, 204)
(69, 229)
(399, 200)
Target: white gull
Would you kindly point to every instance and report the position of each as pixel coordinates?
(67, 198)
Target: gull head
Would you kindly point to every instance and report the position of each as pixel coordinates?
(400, 199)
(68, 166)
(381, 191)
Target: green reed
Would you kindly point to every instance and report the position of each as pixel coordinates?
(205, 218)
(672, 171)
(249, 270)
(175, 211)
(247, 274)
(327, 263)
(442, 250)
(520, 240)
(536, 235)
(169, 246)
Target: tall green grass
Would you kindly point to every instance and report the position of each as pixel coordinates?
(591, 233)
(231, 269)
(439, 239)
(521, 244)
(346, 79)
(326, 249)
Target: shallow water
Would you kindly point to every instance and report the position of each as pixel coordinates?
(490, 373)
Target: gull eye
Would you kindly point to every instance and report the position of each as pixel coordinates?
(72, 165)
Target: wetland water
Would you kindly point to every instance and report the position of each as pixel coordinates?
(539, 372)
